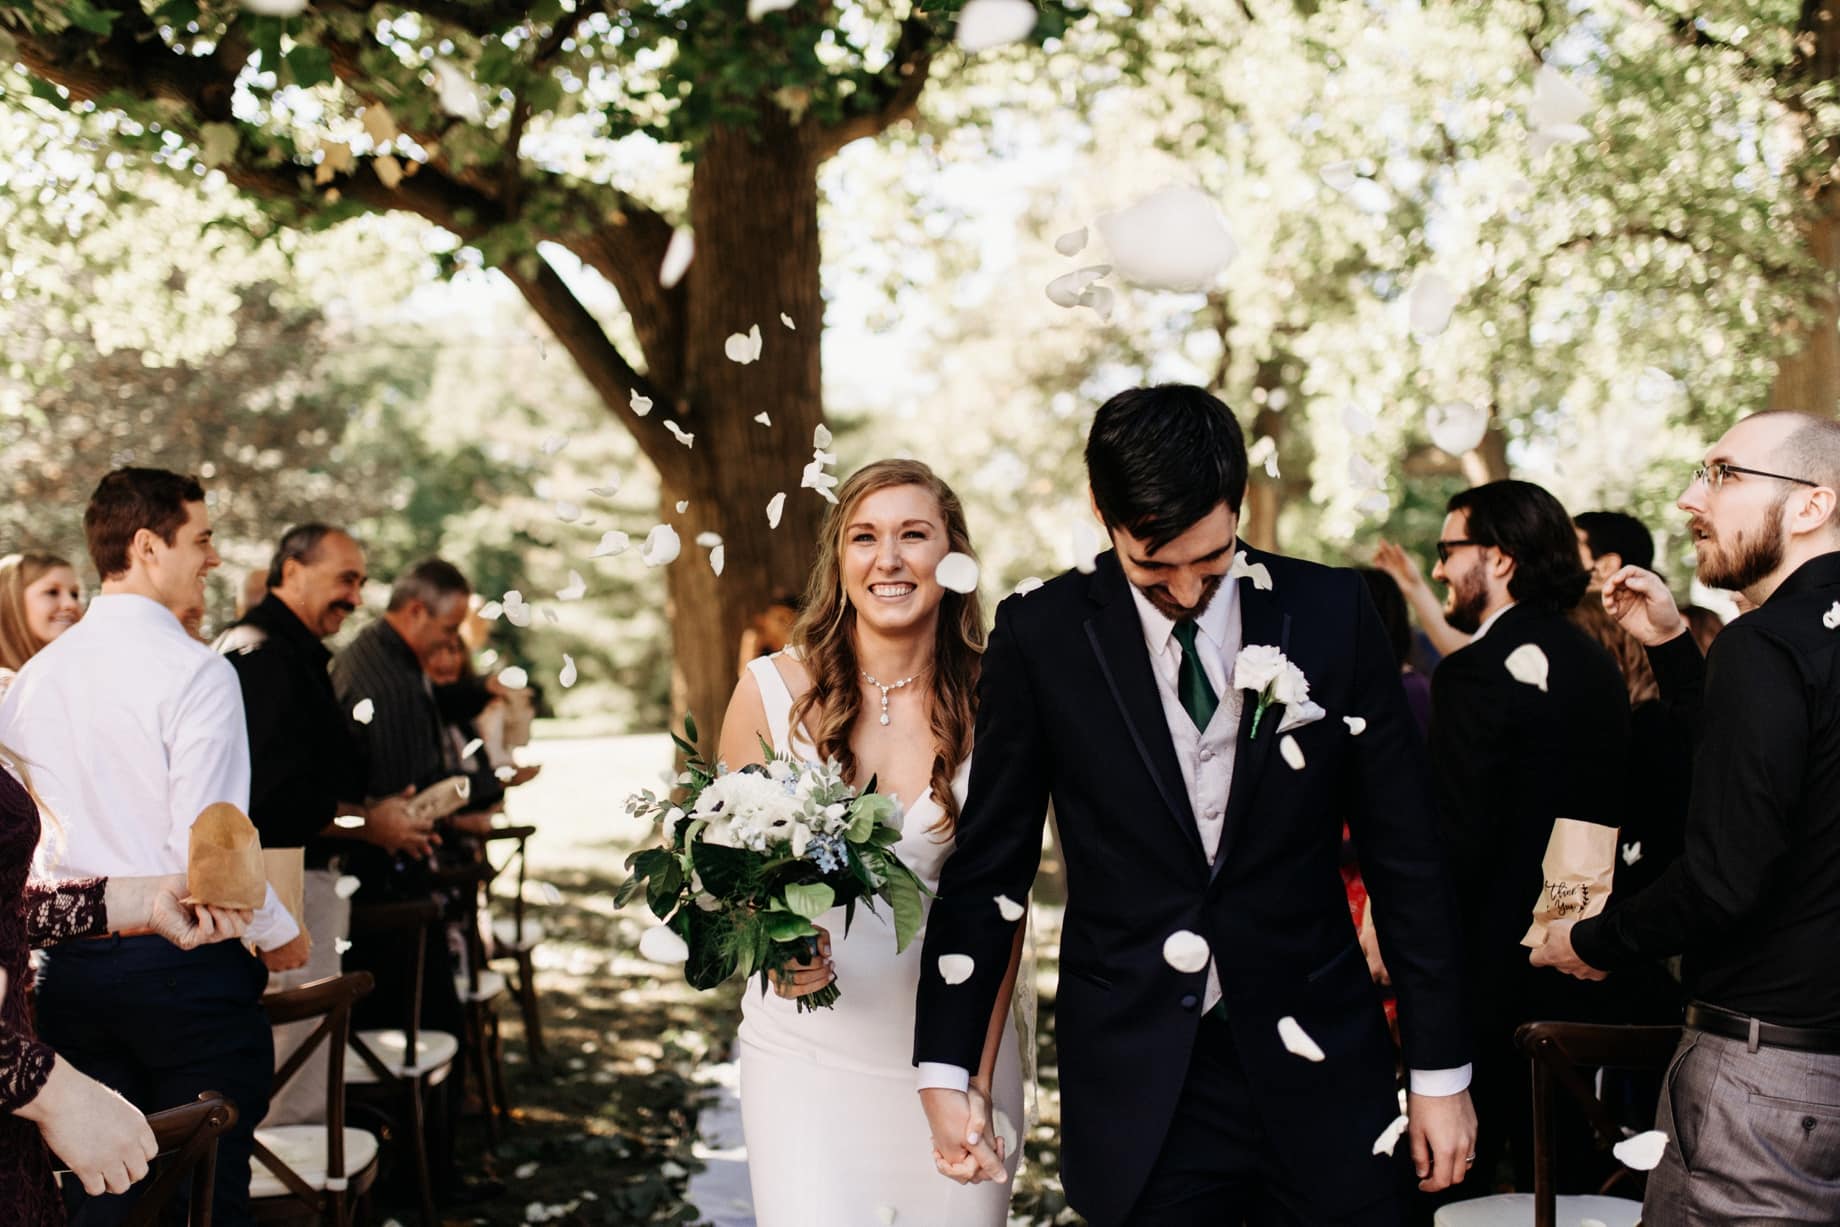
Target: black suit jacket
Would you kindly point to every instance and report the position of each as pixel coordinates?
(1509, 759)
(1069, 711)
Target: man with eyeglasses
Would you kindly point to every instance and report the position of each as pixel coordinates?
(1751, 1103)
(1509, 759)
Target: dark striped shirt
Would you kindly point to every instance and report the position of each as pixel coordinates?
(402, 743)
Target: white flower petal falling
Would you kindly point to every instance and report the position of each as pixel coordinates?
(1831, 619)
(607, 489)
(348, 822)
(1072, 243)
(513, 677)
(491, 611)
(679, 433)
(505, 773)
(363, 711)
(743, 347)
(1457, 426)
(1528, 664)
(661, 944)
(1186, 951)
(1067, 289)
(1340, 175)
(472, 747)
(554, 444)
(985, 24)
(612, 542)
(274, 8)
(1257, 572)
(640, 405)
(1389, 1137)
(821, 436)
(1101, 299)
(787, 321)
(683, 505)
(776, 507)
(1369, 197)
(677, 257)
(568, 675)
(760, 8)
(1643, 1151)
(1027, 585)
(956, 968)
(1632, 852)
(1432, 302)
(1557, 103)
(458, 96)
(957, 573)
(347, 885)
(1356, 725)
(887, 1214)
(662, 546)
(1291, 752)
(566, 511)
(718, 558)
(1008, 908)
(1172, 239)
(763, 419)
(578, 588)
(1297, 1041)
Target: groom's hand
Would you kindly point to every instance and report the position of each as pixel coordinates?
(1443, 1129)
(962, 1146)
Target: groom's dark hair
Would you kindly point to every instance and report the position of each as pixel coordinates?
(1529, 525)
(1160, 459)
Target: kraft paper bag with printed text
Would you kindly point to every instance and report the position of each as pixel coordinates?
(1579, 867)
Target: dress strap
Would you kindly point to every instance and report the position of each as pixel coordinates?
(776, 697)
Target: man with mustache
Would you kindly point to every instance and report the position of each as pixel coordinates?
(1751, 1103)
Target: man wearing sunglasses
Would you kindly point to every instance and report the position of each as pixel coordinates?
(1509, 759)
(1751, 1103)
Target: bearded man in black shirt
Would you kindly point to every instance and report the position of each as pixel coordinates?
(1751, 1102)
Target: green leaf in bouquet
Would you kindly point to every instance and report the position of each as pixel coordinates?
(904, 901)
(725, 871)
(865, 864)
(711, 938)
(884, 837)
(849, 913)
(810, 899)
(787, 926)
(662, 890)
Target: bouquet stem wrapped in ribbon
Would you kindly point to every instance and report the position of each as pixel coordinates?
(752, 858)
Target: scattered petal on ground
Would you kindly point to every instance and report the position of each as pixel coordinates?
(363, 710)
(1186, 951)
(956, 968)
(1297, 1041)
(1643, 1151)
(957, 573)
(1528, 664)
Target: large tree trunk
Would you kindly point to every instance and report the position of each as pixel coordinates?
(1808, 377)
(754, 208)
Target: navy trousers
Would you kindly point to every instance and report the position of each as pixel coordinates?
(162, 1025)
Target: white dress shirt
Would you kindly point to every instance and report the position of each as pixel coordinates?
(130, 728)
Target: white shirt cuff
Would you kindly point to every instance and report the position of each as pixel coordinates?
(272, 926)
(937, 1076)
(1439, 1082)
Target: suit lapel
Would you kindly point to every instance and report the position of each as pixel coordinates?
(1117, 636)
(1262, 621)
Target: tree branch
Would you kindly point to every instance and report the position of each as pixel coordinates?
(898, 91)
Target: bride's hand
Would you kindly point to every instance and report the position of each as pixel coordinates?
(802, 979)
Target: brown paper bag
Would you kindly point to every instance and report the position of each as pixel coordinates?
(437, 801)
(1580, 864)
(224, 868)
(287, 873)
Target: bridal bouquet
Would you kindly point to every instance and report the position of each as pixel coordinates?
(752, 858)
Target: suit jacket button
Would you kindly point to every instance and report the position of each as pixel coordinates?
(1190, 1001)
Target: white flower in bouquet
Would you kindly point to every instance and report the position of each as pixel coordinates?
(1291, 687)
(745, 809)
(1257, 666)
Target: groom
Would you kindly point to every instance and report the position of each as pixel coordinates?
(1113, 694)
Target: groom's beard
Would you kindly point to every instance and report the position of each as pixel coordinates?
(1163, 603)
(1469, 596)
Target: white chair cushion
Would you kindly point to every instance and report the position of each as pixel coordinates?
(505, 934)
(303, 1149)
(433, 1050)
(1516, 1210)
(491, 986)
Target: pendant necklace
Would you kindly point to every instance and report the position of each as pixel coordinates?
(886, 690)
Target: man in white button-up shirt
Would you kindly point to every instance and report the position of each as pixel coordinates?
(132, 728)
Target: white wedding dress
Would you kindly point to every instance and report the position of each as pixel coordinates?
(834, 1130)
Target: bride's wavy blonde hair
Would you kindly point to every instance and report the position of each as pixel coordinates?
(825, 638)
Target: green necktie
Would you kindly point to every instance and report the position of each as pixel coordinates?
(1198, 697)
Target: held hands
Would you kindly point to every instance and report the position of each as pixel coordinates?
(802, 979)
(1443, 1129)
(1557, 953)
(1643, 605)
(189, 926)
(965, 1147)
(100, 1136)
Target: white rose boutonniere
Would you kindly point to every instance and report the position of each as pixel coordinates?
(1268, 673)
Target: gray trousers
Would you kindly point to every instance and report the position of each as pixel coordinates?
(328, 922)
(1753, 1136)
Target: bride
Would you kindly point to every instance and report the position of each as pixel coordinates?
(881, 675)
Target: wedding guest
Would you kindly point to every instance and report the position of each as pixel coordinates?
(1510, 757)
(50, 1114)
(770, 630)
(1751, 1103)
(1430, 612)
(40, 599)
(1609, 541)
(305, 767)
(133, 728)
(255, 586)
